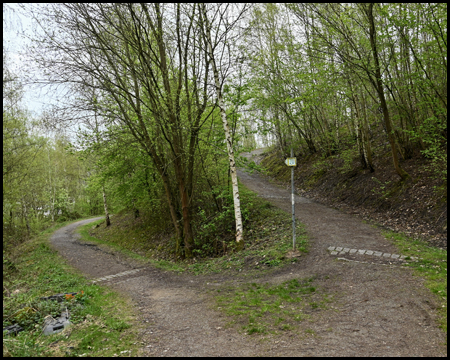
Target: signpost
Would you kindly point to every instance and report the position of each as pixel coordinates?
(292, 162)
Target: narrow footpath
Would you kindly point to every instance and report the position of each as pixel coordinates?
(378, 309)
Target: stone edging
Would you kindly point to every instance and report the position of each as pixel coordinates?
(337, 250)
(110, 277)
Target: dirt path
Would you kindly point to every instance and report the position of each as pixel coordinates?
(382, 309)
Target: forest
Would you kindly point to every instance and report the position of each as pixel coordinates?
(153, 103)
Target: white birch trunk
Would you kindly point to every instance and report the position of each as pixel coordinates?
(236, 199)
(234, 181)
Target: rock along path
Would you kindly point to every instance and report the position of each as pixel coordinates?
(377, 310)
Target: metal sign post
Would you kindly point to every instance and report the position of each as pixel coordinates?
(292, 162)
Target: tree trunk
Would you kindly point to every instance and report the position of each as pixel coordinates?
(367, 147)
(359, 144)
(187, 228)
(236, 199)
(170, 202)
(379, 87)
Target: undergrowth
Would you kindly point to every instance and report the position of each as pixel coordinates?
(267, 233)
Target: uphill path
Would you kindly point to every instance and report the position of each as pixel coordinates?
(379, 309)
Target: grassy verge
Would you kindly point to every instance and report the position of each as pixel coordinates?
(432, 266)
(85, 232)
(268, 242)
(264, 308)
(102, 320)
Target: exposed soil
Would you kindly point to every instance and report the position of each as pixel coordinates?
(414, 207)
(377, 310)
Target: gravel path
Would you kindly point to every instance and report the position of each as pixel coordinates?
(381, 310)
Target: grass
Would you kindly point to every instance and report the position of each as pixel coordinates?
(263, 308)
(266, 249)
(85, 232)
(268, 239)
(102, 320)
(432, 266)
(273, 166)
(267, 233)
(249, 165)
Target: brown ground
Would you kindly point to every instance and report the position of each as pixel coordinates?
(413, 207)
(377, 310)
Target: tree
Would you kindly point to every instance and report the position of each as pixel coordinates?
(152, 79)
(220, 19)
(378, 84)
(345, 24)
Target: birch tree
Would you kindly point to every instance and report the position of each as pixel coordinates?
(220, 20)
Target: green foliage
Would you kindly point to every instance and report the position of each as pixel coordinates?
(433, 132)
(42, 179)
(37, 310)
(249, 166)
(49, 188)
(117, 324)
(275, 166)
(279, 90)
(321, 166)
(216, 234)
(220, 224)
(142, 239)
(320, 103)
(347, 156)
